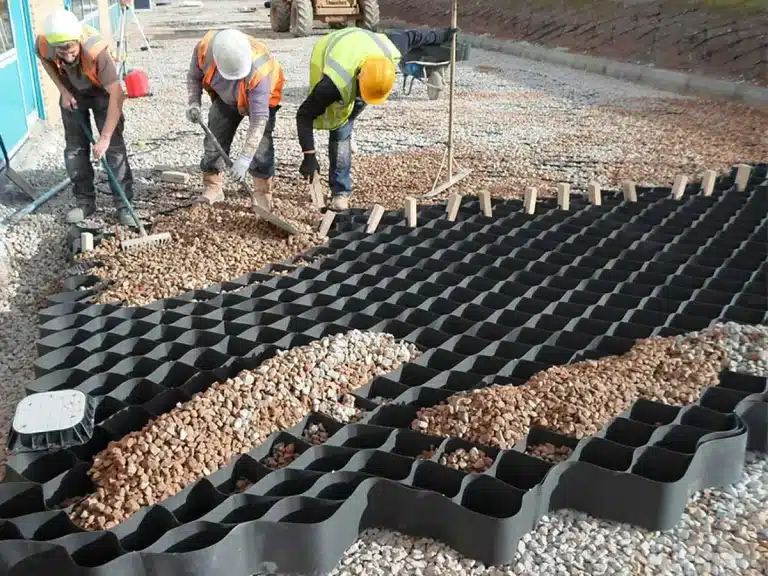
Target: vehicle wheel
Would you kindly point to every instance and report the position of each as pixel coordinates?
(434, 85)
(302, 17)
(369, 13)
(280, 15)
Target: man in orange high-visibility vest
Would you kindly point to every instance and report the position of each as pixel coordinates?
(78, 61)
(243, 79)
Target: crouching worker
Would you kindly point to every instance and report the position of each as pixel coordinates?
(79, 62)
(242, 79)
(349, 69)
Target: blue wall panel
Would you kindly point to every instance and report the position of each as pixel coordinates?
(13, 118)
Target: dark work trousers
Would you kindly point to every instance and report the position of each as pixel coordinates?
(340, 154)
(223, 121)
(77, 150)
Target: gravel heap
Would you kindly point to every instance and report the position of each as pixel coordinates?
(200, 436)
(280, 456)
(315, 434)
(549, 452)
(472, 460)
(580, 398)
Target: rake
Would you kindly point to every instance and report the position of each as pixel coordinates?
(145, 240)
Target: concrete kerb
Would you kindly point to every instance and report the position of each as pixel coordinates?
(670, 80)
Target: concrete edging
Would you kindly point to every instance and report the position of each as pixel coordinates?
(680, 82)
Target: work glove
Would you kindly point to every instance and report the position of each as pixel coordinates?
(309, 167)
(193, 113)
(240, 168)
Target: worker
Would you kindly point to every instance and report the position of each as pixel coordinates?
(243, 79)
(349, 69)
(79, 62)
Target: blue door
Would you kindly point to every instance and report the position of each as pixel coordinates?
(20, 99)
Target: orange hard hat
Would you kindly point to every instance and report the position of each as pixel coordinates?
(376, 78)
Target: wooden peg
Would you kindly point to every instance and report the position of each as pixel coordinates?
(410, 211)
(454, 203)
(484, 196)
(564, 195)
(742, 176)
(86, 241)
(529, 202)
(678, 188)
(594, 194)
(629, 190)
(326, 223)
(316, 192)
(708, 182)
(374, 218)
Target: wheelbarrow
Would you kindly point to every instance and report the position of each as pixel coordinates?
(427, 64)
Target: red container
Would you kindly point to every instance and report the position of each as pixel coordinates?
(137, 84)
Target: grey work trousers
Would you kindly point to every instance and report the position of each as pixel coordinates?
(223, 121)
(77, 150)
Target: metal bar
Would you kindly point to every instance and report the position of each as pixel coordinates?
(454, 19)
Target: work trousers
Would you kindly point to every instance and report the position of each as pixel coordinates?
(77, 149)
(223, 121)
(340, 154)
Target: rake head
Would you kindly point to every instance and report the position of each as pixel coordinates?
(146, 242)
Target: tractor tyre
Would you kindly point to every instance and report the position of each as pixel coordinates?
(302, 17)
(280, 15)
(434, 85)
(369, 13)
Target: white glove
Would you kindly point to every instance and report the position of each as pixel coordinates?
(240, 168)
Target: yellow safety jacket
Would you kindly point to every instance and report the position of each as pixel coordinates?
(339, 56)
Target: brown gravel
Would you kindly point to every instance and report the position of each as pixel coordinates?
(280, 456)
(242, 485)
(426, 454)
(580, 398)
(197, 438)
(472, 460)
(549, 452)
(315, 434)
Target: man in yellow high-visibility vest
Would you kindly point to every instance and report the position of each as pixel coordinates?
(349, 69)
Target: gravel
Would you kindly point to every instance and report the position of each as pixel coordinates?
(202, 435)
(472, 460)
(549, 452)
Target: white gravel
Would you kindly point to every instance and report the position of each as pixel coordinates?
(529, 115)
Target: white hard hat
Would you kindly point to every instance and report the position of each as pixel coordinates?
(61, 26)
(232, 54)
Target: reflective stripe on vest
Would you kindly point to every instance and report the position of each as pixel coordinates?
(341, 61)
(91, 45)
(263, 65)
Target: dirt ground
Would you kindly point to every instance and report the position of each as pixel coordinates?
(725, 38)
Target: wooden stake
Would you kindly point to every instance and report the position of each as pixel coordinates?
(326, 223)
(629, 190)
(742, 176)
(564, 195)
(708, 182)
(410, 211)
(484, 196)
(595, 194)
(316, 192)
(529, 203)
(374, 218)
(678, 188)
(454, 203)
(86, 241)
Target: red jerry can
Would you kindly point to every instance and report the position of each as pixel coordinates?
(137, 84)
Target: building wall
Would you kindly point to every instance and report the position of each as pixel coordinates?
(101, 19)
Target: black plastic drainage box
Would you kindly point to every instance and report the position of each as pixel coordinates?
(491, 301)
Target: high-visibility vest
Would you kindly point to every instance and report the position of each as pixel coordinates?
(339, 56)
(264, 66)
(91, 45)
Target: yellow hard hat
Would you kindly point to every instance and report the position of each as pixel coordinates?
(376, 78)
(62, 26)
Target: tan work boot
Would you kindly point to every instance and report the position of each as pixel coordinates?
(340, 203)
(212, 191)
(261, 194)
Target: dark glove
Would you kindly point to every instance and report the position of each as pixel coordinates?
(450, 33)
(309, 167)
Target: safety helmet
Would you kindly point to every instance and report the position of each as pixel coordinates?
(62, 26)
(376, 78)
(232, 54)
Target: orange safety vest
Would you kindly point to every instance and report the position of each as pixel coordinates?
(91, 45)
(264, 65)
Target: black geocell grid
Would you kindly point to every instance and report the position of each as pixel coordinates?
(491, 300)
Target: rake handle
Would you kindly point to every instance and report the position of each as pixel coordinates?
(214, 140)
(111, 175)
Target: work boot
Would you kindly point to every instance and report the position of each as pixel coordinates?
(261, 195)
(212, 191)
(340, 203)
(125, 218)
(84, 210)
